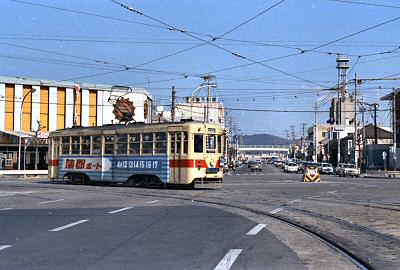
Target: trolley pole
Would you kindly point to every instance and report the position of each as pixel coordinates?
(173, 97)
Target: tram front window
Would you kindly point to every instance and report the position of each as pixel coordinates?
(198, 143)
(210, 143)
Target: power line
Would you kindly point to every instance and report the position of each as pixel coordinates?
(238, 55)
(250, 19)
(363, 3)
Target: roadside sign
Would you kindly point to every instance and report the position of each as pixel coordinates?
(338, 128)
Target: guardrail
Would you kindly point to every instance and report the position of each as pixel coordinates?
(265, 146)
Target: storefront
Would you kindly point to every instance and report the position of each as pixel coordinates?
(33, 151)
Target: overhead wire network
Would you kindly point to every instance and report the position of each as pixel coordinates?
(211, 37)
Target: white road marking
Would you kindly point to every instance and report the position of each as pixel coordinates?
(59, 200)
(276, 210)
(68, 225)
(153, 201)
(228, 259)
(294, 201)
(5, 246)
(4, 209)
(237, 174)
(256, 229)
(245, 174)
(11, 193)
(261, 174)
(119, 210)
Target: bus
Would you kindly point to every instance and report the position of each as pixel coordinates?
(137, 154)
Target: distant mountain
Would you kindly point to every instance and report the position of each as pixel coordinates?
(264, 139)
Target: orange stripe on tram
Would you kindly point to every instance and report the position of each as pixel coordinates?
(188, 163)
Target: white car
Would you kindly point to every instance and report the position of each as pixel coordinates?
(326, 168)
(292, 167)
(344, 170)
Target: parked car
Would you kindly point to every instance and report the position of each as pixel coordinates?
(292, 167)
(325, 168)
(344, 169)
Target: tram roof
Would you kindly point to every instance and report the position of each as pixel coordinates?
(133, 125)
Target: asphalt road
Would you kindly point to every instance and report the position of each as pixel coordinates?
(47, 225)
(66, 227)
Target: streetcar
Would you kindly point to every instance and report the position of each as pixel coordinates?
(137, 154)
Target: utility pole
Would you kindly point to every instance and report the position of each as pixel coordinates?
(355, 121)
(394, 128)
(173, 98)
(364, 141)
(207, 78)
(303, 129)
(375, 105)
(293, 141)
(316, 133)
(287, 138)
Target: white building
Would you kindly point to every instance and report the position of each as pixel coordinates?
(55, 104)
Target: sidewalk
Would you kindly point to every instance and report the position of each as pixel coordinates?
(22, 172)
(381, 174)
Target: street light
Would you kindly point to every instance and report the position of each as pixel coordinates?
(197, 90)
(32, 90)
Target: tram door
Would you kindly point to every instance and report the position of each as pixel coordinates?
(176, 155)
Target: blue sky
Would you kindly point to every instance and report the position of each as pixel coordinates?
(301, 24)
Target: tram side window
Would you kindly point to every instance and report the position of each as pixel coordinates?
(65, 143)
(85, 145)
(219, 142)
(198, 143)
(185, 142)
(210, 143)
(178, 142)
(134, 144)
(96, 145)
(109, 145)
(173, 139)
(75, 145)
(147, 143)
(122, 145)
(160, 143)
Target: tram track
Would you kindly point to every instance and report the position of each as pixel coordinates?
(329, 240)
(357, 260)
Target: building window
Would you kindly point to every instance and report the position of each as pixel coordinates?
(61, 100)
(92, 108)
(9, 110)
(44, 107)
(27, 108)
